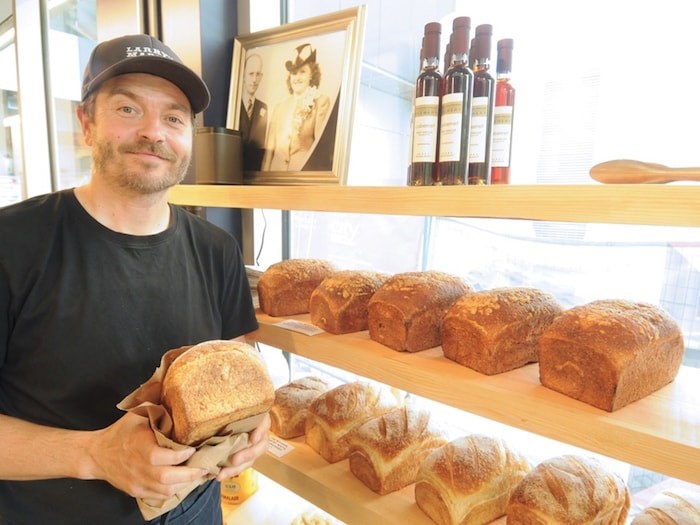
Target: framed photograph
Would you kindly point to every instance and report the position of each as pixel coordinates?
(292, 97)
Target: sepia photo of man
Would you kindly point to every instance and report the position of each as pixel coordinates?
(253, 119)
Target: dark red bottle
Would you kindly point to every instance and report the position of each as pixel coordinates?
(501, 143)
(426, 110)
(456, 109)
(482, 108)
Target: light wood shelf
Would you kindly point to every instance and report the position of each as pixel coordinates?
(660, 432)
(650, 204)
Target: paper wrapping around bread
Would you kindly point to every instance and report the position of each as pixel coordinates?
(288, 413)
(469, 480)
(609, 353)
(212, 454)
(212, 385)
(339, 303)
(335, 415)
(386, 451)
(406, 312)
(677, 506)
(497, 330)
(569, 489)
(285, 287)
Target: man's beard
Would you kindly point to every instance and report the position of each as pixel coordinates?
(108, 161)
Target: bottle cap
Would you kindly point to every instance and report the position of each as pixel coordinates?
(431, 44)
(460, 32)
(505, 55)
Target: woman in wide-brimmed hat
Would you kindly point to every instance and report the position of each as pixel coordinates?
(298, 121)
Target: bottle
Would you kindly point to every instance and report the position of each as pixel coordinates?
(482, 108)
(501, 142)
(426, 109)
(237, 489)
(456, 109)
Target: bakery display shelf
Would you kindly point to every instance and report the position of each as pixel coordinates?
(660, 432)
(648, 204)
(332, 487)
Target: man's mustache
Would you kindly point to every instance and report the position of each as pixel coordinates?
(152, 148)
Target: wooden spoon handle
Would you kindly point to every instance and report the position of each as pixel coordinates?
(634, 172)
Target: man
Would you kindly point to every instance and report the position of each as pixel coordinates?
(253, 119)
(96, 283)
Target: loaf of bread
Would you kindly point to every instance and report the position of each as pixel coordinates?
(497, 330)
(288, 413)
(609, 353)
(406, 312)
(285, 287)
(336, 414)
(339, 303)
(213, 384)
(386, 451)
(677, 506)
(469, 480)
(569, 489)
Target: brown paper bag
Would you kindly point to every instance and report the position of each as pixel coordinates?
(211, 455)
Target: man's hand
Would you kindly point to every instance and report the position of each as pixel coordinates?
(243, 459)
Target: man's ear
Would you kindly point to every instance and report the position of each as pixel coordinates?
(84, 125)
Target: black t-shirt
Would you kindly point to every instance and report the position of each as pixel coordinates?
(85, 315)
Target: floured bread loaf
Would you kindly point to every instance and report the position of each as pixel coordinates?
(676, 506)
(469, 480)
(336, 414)
(406, 312)
(288, 413)
(339, 303)
(213, 384)
(386, 451)
(497, 330)
(569, 489)
(285, 287)
(609, 353)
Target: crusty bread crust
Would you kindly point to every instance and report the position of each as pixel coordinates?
(288, 413)
(497, 330)
(213, 384)
(676, 506)
(386, 451)
(339, 304)
(336, 414)
(469, 480)
(609, 353)
(285, 287)
(569, 489)
(406, 312)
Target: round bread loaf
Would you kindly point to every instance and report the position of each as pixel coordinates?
(212, 385)
(288, 413)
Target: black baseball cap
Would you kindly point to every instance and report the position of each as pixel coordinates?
(143, 54)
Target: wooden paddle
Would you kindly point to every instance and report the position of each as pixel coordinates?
(625, 171)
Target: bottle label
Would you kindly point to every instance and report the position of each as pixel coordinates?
(478, 129)
(451, 127)
(425, 128)
(502, 132)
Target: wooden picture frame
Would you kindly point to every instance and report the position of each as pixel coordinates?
(305, 79)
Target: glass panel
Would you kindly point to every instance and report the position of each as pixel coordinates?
(72, 36)
(11, 172)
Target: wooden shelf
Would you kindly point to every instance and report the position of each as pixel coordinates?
(660, 432)
(650, 204)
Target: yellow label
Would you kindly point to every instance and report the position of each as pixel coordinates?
(239, 488)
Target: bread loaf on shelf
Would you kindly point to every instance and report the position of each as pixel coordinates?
(469, 480)
(213, 384)
(336, 414)
(497, 330)
(339, 303)
(386, 451)
(285, 287)
(406, 312)
(288, 413)
(609, 353)
(676, 506)
(569, 489)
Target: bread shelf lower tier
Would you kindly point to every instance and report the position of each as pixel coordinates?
(651, 204)
(660, 433)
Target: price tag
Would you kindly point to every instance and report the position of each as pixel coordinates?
(278, 447)
(299, 326)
